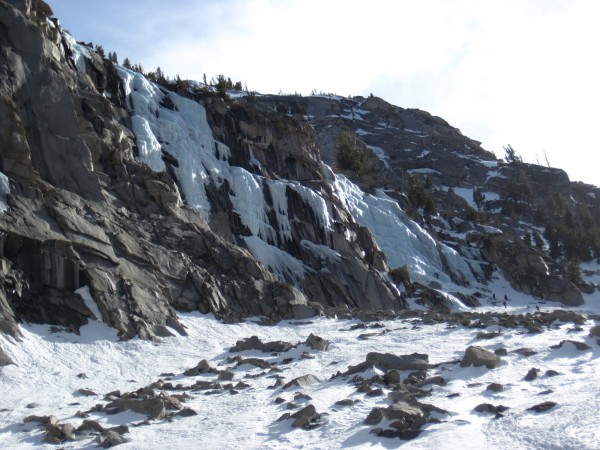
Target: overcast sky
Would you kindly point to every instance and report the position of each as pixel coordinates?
(519, 72)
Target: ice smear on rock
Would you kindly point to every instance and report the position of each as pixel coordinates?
(402, 240)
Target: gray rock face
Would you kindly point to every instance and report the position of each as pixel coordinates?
(479, 356)
(526, 269)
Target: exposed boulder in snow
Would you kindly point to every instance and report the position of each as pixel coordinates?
(254, 343)
(479, 356)
(389, 361)
(317, 343)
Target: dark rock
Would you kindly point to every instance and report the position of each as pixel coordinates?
(59, 432)
(388, 361)
(578, 345)
(303, 381)
(187, 412)
(495, 387)
(225, 375)
(532, 374)
(45, 420)
(375, 392)
(306, 418)
(317, 343)
(392, 377)
(4, 358)
(525, 351)
(501, 352)
(306, 355)
(541, 407)
(203, 366)
(302, 397)
(86, 392)
(375, 416)
(345, 402)
(490, 335)
(489, 408)
(32, 405)
(254, 343)
(111, 438)
(595, 331)
(479, 356)
(551, 373)
(153, 407)
(90, 425)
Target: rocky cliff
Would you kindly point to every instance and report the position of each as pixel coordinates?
(131, 200)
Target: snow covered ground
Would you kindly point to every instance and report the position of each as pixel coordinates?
(49, 364)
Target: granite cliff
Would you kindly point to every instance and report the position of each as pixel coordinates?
(133, 200)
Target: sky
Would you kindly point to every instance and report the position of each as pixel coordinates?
(518, 72)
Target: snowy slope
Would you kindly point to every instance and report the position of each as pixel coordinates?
(48, 365)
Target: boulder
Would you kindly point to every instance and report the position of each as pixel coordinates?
(389, 361)
(541, 407)
(306, 418)
(305, 380)
(479, 356)
(317, 343)
(532, 374)
(595, 331)
(254, 343)
(203, 366)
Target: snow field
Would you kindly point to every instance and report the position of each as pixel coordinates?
(48, 364)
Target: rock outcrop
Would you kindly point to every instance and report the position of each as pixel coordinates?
(125, 201)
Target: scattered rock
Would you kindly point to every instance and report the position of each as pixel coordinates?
(501, 352)
(4, 358)
(254, 343)
(495, 387)
(375, 416)
(392, 377)
(303, 381)
(111, 438)
(203, 366)
(525, 351)
(90, 425)
(551, 373)
(32, 405)
(56, 433)
(489, 408)
(317, 343)
(225, 375)
(388, 361)
(488, 335)
(578, 345)
(346, 402)
(86, 392)
(187, 412)
(532, 374)
(595, 331)
(541, 407)
(153, 407)
(45, 420)
(479, 356)
(306, 418)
